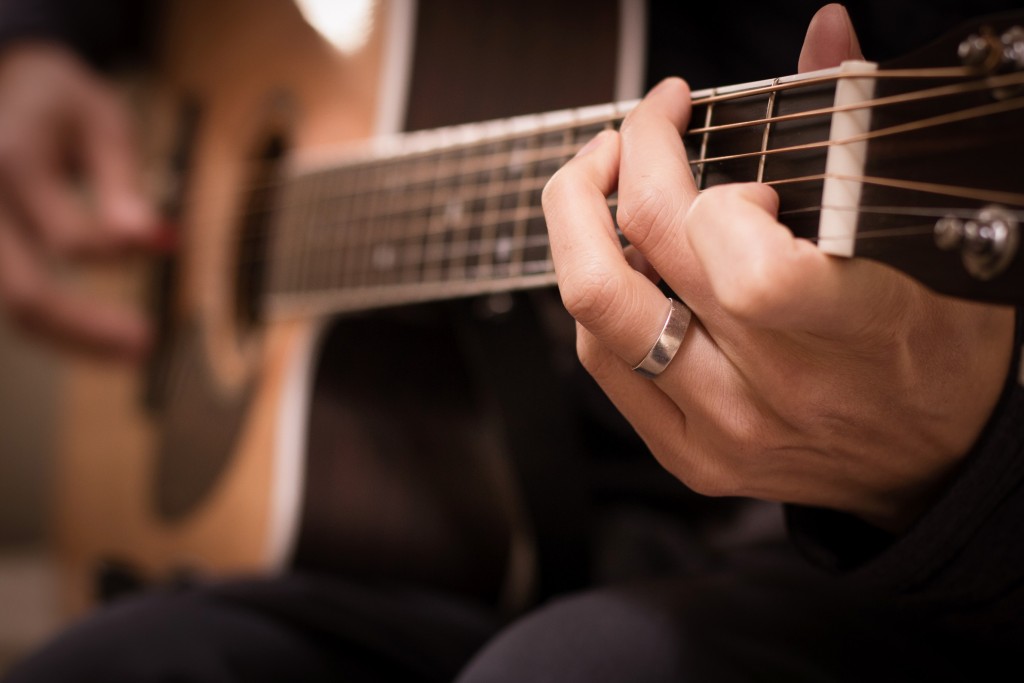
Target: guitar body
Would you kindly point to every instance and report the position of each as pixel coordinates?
(385, 445)
(223, 56)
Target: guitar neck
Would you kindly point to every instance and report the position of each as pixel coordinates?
(457, 211)
(852, 153)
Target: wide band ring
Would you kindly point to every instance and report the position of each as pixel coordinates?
(671, 337)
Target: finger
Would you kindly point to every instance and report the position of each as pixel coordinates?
(600, 290)
(762, 275)
(124, 216)
(655, 185)
(830, 40)
(36, 188)
(39, 306)
(658, 418)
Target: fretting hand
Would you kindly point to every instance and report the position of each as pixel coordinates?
(803, 377)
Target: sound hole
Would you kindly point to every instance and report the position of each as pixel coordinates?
(254, 232)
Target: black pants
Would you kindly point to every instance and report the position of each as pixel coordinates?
(762, 617)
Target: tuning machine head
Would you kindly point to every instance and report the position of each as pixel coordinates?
(988, 241)
(992, 53)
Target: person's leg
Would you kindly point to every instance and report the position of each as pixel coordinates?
(767, 617)
(285, 629)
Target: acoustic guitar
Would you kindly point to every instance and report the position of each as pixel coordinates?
(229, 464)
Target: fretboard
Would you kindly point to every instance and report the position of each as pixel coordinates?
(457, 211)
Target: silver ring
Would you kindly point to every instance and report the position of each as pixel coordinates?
(671, 337)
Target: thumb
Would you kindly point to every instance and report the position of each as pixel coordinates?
(830, 40)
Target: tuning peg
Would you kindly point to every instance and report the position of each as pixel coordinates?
(988, 241)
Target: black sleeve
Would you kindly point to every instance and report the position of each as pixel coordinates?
(105, 32)
(967, 548)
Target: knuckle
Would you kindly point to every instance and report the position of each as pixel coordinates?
(588, 293)
(756, 292)
(757, 284)
(629, 122)
(750, 293)
(640, 212)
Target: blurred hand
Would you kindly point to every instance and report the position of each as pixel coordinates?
(69, 189)
(803, 377)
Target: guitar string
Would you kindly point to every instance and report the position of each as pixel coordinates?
(431, 254)
(963, 192)
(1016, 78)
(986, 83)
(437, 224)
(437, 252)
(934, 212)
(955, 117)
(495, 218)
(465, 197)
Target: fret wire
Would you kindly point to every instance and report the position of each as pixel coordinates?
(326, 215)
(424, 241)
(341, 231)
(764, 137)
(375, 230)
(359, 227)
(402, 223)
(456, 261)
(436, 216)
(395, 225)
(521, 166)
(302, 274)
(346, 226)
(704, 146)
(368, 225)
(355, 199)
(459, 220)
(489, 231)
(407, 271)
(333, 210)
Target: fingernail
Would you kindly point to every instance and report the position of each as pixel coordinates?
(594, 143)
(664, 84)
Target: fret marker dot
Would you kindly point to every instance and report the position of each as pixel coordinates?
(384, 257)
(503, 249)
(453, 212)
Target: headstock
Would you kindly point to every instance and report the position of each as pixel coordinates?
(943, 191)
